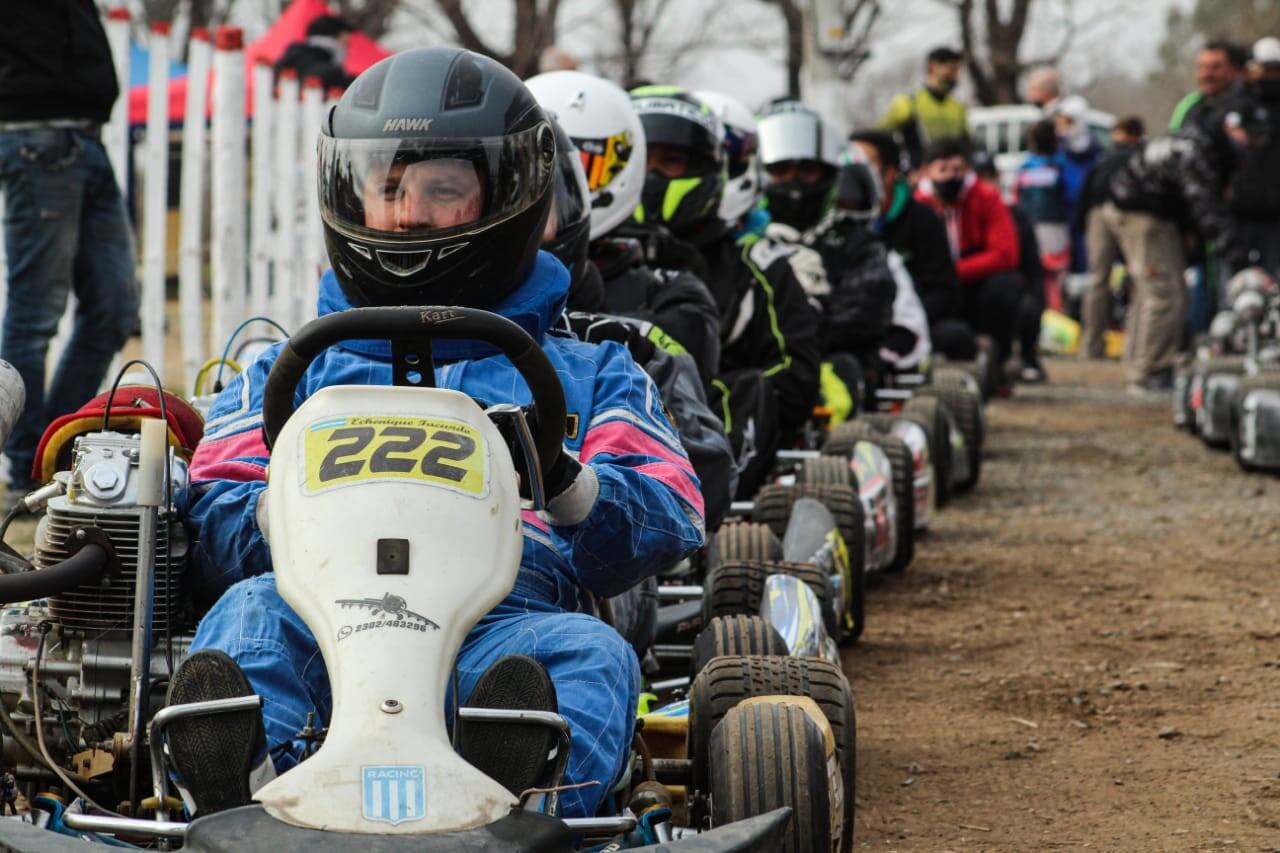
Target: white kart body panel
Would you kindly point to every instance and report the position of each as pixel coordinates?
(922, 486)
(875, 488)
(795, 612)
(389, 639)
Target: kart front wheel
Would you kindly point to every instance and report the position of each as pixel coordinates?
(766, 755)
(727, 681)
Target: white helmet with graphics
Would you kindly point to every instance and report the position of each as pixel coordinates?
(746, 178)
(599, 118)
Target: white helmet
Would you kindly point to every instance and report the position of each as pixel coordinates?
(599, 118)
(746, 178)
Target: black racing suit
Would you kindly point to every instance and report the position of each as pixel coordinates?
(918, 235)
(676, 303)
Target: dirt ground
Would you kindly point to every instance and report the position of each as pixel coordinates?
(1086, 651)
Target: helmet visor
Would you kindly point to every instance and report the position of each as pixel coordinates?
(793, 136)
(603, 159)
(394, 190)
(572, 204)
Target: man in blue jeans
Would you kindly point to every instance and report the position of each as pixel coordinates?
(65, 228)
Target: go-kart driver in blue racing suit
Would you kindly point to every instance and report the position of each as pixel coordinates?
(471, 184)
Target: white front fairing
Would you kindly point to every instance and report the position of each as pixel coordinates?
(353, 466)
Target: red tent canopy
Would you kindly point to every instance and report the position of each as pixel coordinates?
(289, 28)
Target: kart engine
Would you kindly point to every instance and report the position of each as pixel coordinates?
(84, 670)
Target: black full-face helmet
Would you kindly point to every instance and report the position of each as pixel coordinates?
(435, 178)
(672, 116)
(568, 230)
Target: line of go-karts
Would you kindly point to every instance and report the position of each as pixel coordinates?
(1229, 393)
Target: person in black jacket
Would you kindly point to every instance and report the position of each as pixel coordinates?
(1103, 245)
(65, 227)
(917, 234)
(321, 54)
(1171, 185)
(1255, 187)
(769, 348)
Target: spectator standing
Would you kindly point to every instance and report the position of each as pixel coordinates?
(1169, 184)
(984, 243)
(1220, 68)
(1040, 189)
(932, 111)
(1078, 154)
(65, 227)
(1044, 89)
(321, 54)
(1255, 189)
(1103, 243)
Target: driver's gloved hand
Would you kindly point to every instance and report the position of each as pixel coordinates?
(571, 490)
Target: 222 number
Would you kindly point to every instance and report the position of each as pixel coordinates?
(391, 455)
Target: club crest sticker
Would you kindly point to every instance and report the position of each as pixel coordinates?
(394, 794)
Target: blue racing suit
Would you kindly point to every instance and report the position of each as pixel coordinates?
(647, 515)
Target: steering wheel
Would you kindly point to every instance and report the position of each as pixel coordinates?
(421, 324)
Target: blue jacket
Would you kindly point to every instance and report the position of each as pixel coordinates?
(1041, 190)
(649, 511)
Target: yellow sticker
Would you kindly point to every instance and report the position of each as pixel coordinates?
(434, 451)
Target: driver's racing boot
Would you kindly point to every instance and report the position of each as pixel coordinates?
(515, 755)
(214, 754)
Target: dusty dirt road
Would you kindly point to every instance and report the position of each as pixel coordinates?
(1086, 652)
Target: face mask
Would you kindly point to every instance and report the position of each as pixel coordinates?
(796, 203)
(946, 85)
(949, 190)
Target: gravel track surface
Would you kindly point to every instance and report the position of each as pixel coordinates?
(1086, 652)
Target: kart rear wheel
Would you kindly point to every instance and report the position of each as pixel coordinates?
(826, 471)
(738, 587)
(765, 756)
(966, 409)
(727, 681)
(773, 507)
(744, 540)
(735, 635)
(904, 492)
(929, 413)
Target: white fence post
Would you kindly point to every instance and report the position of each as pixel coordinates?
(227, 237)
(156, 192)
(285, 295)
(191, 209)
(260, 201)
(312, 236)
(115, 137)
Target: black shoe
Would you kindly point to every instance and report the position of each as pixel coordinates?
(514, 755)
(214, 754)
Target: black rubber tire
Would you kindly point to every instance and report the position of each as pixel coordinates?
(727, 681)
(738, 587)
(930, 413)
(766, 756)
(1262, 381)
(965, 409)
(841, 442)
(773, 507)
(745, 540)
(735, 635)
(826, 471)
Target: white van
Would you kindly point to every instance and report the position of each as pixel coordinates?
(1002, 132)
